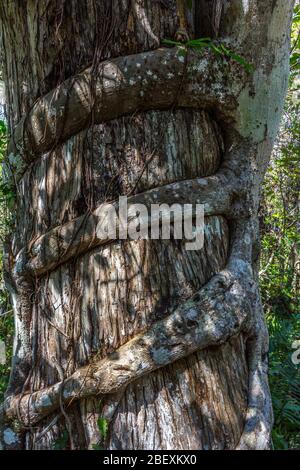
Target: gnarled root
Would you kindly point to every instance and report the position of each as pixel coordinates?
(217, 312)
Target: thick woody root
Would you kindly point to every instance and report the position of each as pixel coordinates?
(217, 312)
(157, 79)
(259, 417)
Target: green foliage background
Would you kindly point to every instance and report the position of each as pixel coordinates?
(280, 262)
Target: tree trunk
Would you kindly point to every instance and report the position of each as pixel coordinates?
(94, 115)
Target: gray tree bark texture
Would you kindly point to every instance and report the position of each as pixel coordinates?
(168, 345)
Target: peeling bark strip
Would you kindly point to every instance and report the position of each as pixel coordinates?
(76, 237)
(219, 311)
(150, 80)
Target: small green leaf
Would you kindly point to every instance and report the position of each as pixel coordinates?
(103, 427)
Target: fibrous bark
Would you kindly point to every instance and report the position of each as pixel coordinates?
(139, 323)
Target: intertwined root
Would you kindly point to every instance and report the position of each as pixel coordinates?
(226, 306)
